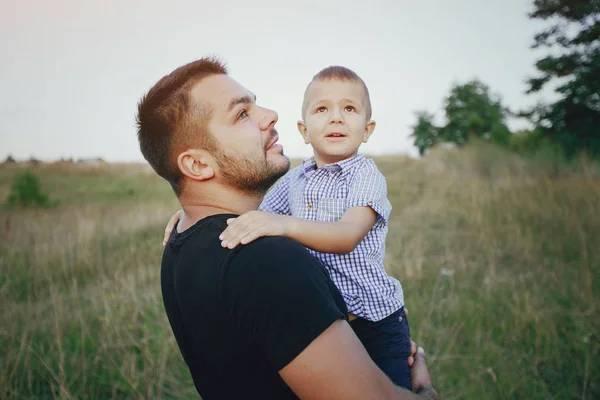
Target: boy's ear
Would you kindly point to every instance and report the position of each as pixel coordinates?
(196, 164)
(302, 130)
(369, 128)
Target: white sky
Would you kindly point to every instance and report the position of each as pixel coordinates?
(72, 71)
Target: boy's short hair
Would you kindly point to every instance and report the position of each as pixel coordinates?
(343, 74)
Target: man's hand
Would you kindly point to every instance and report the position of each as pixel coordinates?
(420, 378)
(413, 353)
(252, 225)
(172, 222)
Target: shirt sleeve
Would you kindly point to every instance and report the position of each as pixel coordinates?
(368, 188)
(277, 200)
(280, 298)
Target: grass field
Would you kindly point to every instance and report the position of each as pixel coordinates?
(499, 257)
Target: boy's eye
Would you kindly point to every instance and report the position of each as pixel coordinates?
(350, 108)
(321, 109)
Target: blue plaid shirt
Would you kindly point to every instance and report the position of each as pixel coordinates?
(324, 194)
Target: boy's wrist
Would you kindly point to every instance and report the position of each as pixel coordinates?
(290, 226)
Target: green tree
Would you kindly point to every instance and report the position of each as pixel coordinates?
(26, 192)
(573, 121)
(471, 111)
(425, 133)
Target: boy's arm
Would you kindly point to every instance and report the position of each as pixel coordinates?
(327, 237)
(339, 237)
(368, 205)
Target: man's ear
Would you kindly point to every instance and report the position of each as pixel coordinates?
(196, 164)
(368, 131)
(302, 130)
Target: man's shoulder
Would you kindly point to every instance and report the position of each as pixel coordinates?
(272, 267)
(271, 248)
(198, 245)
(273, 256)
(207, 228)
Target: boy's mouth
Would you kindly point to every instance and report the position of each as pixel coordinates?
(336, 135)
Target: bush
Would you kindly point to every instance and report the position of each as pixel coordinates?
(538, 148)
(27, 192)
(525, 142)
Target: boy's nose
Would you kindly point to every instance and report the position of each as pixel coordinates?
(336, 117)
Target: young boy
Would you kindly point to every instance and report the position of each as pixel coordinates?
(336, 205)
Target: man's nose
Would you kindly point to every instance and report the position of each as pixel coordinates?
(268, 118)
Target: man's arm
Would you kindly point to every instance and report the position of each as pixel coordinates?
(336, 366)
(327, 237)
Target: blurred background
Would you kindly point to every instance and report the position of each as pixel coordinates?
(488, 132)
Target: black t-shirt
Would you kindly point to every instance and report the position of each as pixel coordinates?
(239, 316)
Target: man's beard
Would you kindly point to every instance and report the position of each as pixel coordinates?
(253, 176)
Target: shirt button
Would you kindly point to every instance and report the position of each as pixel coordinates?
(309, 207)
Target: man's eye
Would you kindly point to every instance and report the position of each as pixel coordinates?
(243, 114)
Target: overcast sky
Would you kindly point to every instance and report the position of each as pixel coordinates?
(72, 71)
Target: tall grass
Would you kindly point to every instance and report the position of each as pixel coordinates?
(498, 256)
(82, 313)
(499, 259)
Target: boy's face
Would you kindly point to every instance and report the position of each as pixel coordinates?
(335, 121)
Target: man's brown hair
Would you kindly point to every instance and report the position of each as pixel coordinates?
(343, 74)
(169, 121)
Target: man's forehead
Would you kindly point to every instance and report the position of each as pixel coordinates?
(219, 91)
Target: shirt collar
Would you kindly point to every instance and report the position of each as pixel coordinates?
(309, 164)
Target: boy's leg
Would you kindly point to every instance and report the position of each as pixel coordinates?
(388, 343)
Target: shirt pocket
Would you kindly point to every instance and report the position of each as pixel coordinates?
(330, 209)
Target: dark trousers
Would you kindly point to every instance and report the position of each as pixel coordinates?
(388, 343)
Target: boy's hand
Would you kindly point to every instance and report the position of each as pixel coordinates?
(176, 217)
(252, 225)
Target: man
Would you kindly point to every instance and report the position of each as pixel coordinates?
(262, 320)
